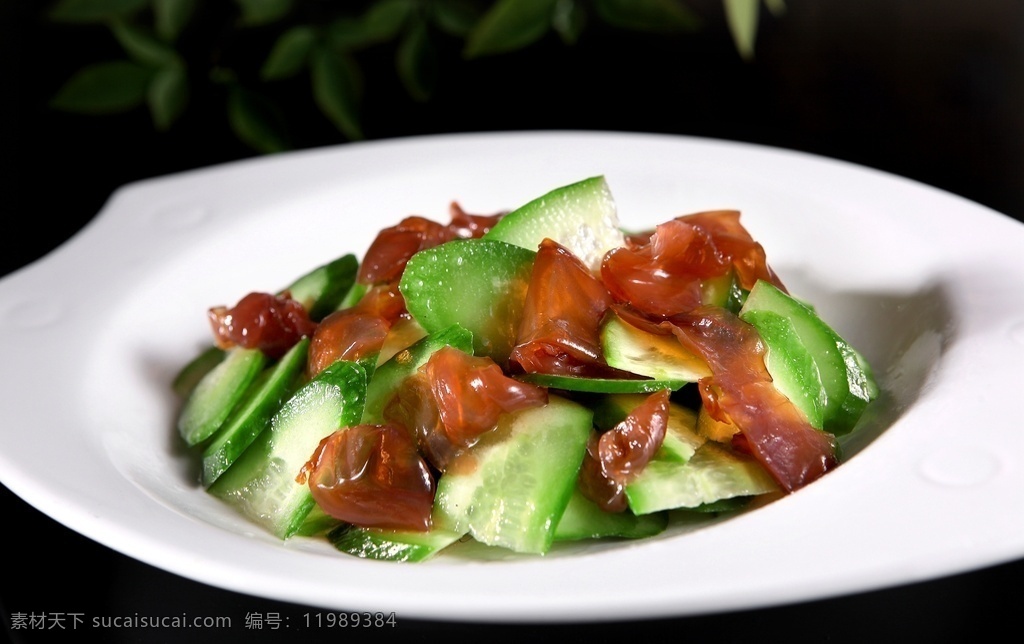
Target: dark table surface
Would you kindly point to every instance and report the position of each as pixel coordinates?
(931, 91)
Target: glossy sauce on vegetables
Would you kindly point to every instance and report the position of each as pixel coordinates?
(372, 476)
(358, 331)
(454, 399)
(393, 246)
(382, 475)
(617, 456)
(740, 391)
(262, 321)
(561, 321)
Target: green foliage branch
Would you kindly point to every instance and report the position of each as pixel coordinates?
(322, 39)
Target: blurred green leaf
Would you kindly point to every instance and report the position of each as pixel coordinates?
(104, 88)
(289, 54)
(256, 121)
(381, 22)
(141, 45)
(385, 18)
(93, 10)
(262, 12)
(416, 62)
(776, 7)
(656, 16)
(171, 16)
(455, 17)
(742, 16)
(509, 25)
(569, 20)
(167, 95)
(337, 90)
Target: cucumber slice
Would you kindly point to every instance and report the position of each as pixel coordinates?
(261, 483)
(810, 363)
(584, 519)
(512, 487)
(580, 216)
(387, 377)
(190, 375)
(253, 414)
(711, 475)
(724, 291)
(391, 545)
(661, 357)
(321, 290)
(600, 385)
(217, 394)
(316, 523)
(479, 285)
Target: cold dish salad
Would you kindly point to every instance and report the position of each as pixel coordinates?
(520, 379)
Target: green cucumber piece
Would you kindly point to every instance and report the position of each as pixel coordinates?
(826, 378)
(316, 523)
(713, 474)
(584, 519)
(724, 291)
(600, 385)
(197, 368)
(388, 376)
(217, 394)
(321, 290)
(581, 216)
(261, 484)
(477, 284)
(353, 296)
(512, 487)
(661, 357)
(253, 414)
(391, 545)
(721, 506)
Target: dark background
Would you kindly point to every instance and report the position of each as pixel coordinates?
(933, 91)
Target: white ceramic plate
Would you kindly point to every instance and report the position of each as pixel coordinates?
(926, 284)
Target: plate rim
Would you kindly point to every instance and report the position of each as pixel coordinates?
(139, 546)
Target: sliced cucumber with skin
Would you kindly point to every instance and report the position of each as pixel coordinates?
(388, 376)
(600, 385)
(713, 474)
(809, 362)
(190, 375)
(724, 291)
(793, 366)
(217, 394)
(479, 285)
(581, 216)
(584, 519)
(261, 484)
(251, 416)
(321, 290)
(391, 545)
(512, 487)
(316, 523)
(353, 296)
(661, 357)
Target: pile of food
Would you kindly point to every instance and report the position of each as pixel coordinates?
(520, 379)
